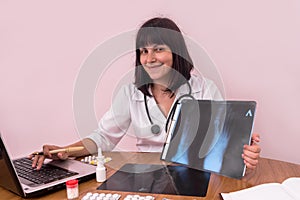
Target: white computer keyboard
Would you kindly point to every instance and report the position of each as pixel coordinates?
(115, 196)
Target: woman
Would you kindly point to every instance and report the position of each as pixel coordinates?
(162, 76)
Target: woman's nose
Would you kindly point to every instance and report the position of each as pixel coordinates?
(151, 57)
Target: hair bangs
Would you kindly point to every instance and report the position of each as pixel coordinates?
(150, 35)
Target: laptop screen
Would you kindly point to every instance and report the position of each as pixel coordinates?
(8, 177)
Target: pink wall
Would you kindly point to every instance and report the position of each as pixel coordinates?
(254, 45)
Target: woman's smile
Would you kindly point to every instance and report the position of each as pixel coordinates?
(157, 60)
(153, 66)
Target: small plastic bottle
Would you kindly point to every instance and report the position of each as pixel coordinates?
(72, 189)
(100, 169)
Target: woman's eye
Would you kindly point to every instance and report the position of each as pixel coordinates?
(143, 51)
(158, 49)
(161, 48)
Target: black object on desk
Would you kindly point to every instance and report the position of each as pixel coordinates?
(159, 179)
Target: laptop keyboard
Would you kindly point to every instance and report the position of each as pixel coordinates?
(47, 174)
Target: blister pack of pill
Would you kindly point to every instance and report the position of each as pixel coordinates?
(92, 160)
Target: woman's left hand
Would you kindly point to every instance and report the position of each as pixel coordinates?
(251, 152)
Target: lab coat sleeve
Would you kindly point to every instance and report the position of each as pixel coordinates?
(115, 122)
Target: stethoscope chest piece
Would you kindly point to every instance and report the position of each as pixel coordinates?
(155, 129)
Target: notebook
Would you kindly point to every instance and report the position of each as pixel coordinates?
(209, 135)
(58, 171)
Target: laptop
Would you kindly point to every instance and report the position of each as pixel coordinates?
(210, 135)
(53, 174)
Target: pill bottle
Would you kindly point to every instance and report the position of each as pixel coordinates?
(72, 189)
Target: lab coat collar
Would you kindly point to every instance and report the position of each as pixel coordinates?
(196, 82)
(155, 113)
(137, 95)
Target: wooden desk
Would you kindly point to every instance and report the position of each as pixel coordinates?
(267, 171)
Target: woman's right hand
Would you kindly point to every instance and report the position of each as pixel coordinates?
(38, 160)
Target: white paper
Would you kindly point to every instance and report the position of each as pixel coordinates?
(288, 190)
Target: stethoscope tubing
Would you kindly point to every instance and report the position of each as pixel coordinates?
(155, 129)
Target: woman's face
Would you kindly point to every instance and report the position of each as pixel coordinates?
(157, 60)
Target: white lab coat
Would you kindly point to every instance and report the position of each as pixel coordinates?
(128, 108)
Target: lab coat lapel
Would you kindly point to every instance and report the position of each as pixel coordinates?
(154, 111)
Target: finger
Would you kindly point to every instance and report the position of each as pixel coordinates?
(250, 165)
(249, 161)
(255, 138)
(62, 156)
(253, 159)
(34, 161)
(252, 148)
(46, 151)
(250, 155)
(40, 162)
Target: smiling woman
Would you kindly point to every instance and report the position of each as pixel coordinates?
(162, 77)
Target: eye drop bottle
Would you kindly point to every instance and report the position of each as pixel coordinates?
(100, 169)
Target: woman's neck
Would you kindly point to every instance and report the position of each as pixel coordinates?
(158, 89)
(161, 84)
(163, 97)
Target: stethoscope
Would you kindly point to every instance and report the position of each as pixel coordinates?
(155, 128)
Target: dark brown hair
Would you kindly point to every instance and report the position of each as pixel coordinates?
(163, 31)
